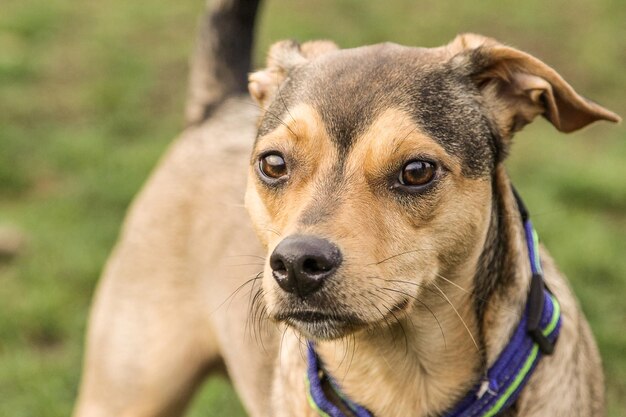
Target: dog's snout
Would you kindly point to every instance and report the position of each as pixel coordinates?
(301, 264)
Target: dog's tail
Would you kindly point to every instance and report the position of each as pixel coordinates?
(221, 61)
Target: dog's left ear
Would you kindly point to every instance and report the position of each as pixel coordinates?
(283, 57)
(516, 87)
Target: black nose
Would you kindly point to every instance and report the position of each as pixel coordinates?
(300, 264)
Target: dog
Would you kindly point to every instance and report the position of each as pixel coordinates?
(386, 246)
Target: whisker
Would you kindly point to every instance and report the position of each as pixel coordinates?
(387, 324)
(417, 284)
(257, 312)
(384, 316)
(245, 256)
(427, 288)
(248, 264)
(249, 317)
(408, 316)
(259, 322)
(280, 346)
(239, 288)
(469, 332)
(273, 231)
(302, 347)
(472, 293)
(465, 290)
(345, 345)
(399, 254)
(397, 320)
(445, 344)
(406, 339)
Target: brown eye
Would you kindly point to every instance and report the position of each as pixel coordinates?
(273, 166)
(417, 173)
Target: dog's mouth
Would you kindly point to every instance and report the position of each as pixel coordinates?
(313, 317)
(321, 325)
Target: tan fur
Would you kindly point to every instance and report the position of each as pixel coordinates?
(174, 299)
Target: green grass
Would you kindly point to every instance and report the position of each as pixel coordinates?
(92, 92)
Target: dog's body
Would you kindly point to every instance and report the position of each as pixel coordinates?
(428, 311)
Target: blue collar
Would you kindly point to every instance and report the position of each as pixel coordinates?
(534, 337)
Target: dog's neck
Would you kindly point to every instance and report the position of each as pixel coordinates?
(436, 361)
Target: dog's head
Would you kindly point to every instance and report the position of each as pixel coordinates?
(372, 170)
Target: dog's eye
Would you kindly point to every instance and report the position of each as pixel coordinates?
(417, 173)
(273, 165)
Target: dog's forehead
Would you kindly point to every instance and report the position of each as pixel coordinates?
(351, 88)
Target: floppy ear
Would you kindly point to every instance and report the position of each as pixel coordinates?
(283, 57)
(516, 87)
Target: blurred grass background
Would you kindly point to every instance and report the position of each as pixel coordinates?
(92, 92)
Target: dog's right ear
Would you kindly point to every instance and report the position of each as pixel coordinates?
(283, 57)
(516, 87)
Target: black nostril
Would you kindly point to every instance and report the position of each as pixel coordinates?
(301, 264)
(314, 266)
(281, 273)
(279, 268)
(279, 265)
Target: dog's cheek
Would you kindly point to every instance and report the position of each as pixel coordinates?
(415, 259)
(462, 224)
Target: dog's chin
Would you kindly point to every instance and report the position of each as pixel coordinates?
(315, 325)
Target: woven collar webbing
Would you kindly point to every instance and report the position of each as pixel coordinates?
(534, 337)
